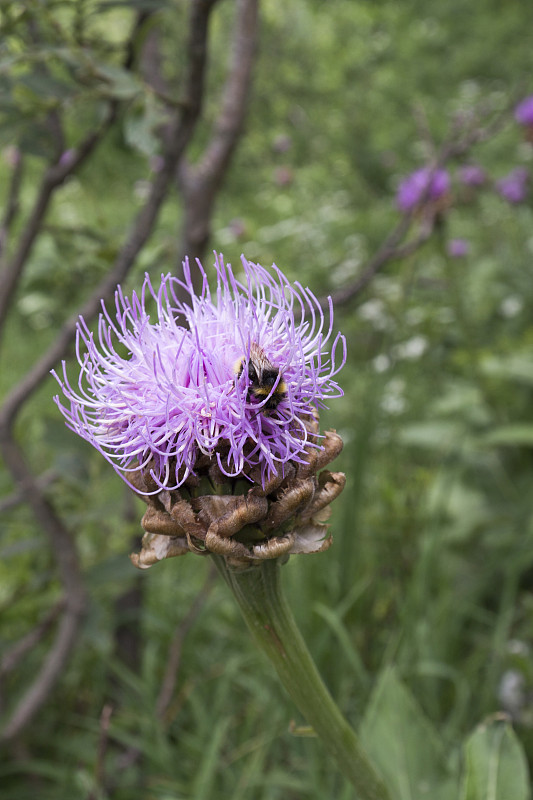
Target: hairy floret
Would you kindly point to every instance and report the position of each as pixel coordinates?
(158, 388)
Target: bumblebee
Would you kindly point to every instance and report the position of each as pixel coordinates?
(263, 375)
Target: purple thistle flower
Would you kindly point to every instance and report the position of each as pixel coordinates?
(523, 112)
(513, 187)
(184, 389)
(458, 248)
(472, 175)
(426, 183)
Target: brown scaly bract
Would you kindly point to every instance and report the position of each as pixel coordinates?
(243, 520)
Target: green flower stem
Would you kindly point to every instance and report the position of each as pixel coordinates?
(264, 607)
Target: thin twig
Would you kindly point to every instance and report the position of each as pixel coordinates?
(424, 130)
(103, 741)
(16, 653)
(53, 177)
(12, 205)
(74, 598)
(19, 497)
(388, 251)
(174, 656)
(462, 142)
(201, 183)
(230, 121)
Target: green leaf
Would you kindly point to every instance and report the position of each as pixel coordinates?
(43, 85)
(140, 5)
(404, 746)
(140, 129)
(495, 764)
(517, 435)
(118, 82)
(438, 434)
(516, 367)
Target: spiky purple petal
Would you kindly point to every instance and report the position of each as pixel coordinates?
(154, 394)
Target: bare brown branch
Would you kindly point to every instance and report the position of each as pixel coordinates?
(12, 204)
(74, 597)
(16, 653)
(388, 251)
(18, 497)
(53, 177)
(200, 183)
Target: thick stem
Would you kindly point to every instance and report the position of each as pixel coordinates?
(269, 618)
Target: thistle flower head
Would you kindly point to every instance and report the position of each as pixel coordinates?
(523, 112)
(427, 183)
(458, 248)
(472, 175)
(514, 186)
(230, 374)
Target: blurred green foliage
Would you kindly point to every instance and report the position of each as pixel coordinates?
(432, 565)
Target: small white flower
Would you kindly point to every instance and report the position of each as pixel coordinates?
(393, 400)
(411, 349)
(381, 363)
(511, 306)
(374, 311)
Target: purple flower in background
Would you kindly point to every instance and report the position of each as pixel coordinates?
(523, 112)
(67, 157)
(513, 187)
(458, 248)
(472, 175)
(425, 183)
(230, 375)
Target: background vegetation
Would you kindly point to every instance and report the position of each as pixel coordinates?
(420, 616)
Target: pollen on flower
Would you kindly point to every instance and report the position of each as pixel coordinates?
(157, 390)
